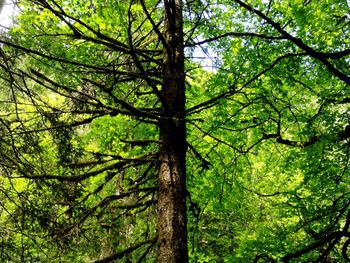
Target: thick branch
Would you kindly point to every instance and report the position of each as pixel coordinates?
(123, 253)
(321, 56)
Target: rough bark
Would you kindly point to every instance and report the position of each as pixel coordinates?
(172, 229)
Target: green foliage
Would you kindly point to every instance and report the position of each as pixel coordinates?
(267, 131)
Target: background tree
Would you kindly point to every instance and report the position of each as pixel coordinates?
(102, 101)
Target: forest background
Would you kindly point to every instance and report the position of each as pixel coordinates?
(119, 144)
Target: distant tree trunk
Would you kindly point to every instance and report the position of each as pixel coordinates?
(171, 209)
(2, 2)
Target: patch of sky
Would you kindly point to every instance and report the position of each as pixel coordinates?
(8, 9)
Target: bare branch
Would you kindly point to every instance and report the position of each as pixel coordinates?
(235, 34)
(126, 251)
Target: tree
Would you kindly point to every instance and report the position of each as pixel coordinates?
(109, 122)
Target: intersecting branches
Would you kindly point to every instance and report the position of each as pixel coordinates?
(323, 57)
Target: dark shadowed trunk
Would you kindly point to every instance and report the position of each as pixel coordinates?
(172, 233)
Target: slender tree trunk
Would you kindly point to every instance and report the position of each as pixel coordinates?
(172, 228)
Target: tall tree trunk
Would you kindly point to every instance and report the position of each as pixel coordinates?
(172, 225)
